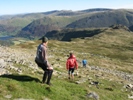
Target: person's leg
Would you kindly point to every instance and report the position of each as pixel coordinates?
(45, 75)
(72, 73)
(41, 65)
(49, 76)
(69, 73)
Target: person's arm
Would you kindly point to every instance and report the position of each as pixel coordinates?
(67, 65)
(76, 64)
(44, 55)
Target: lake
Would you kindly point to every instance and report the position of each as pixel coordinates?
(6, 37)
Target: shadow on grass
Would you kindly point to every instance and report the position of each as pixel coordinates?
(22, 78)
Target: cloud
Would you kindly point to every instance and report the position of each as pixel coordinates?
(126, 6)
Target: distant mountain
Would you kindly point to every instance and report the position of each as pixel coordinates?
(104, 19)
(73, 13)
(19, 21)
(39, 24)
(96, 10)
(98, 19)
(11, 24)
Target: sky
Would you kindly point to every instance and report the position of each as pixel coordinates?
(10, 7)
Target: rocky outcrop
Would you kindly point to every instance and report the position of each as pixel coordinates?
(119, 26)
(123, 75)
(9, 57)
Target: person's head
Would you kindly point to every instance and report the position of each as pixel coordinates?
(44, 40)
(72, 55)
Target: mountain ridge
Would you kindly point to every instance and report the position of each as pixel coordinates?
(102, 19)
(34, 25)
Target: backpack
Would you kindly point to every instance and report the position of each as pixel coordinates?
(84, 62)
(39, 57)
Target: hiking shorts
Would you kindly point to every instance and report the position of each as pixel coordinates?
(71, 71)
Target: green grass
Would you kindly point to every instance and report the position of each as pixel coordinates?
(26, 86)
(22, 86)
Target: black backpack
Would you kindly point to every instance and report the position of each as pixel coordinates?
(39, 57)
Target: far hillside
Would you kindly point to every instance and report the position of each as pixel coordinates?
(41, 26)
(19, 21)
(35, 25)
(69, 34)
(105, 19)
(11, 24)
(101, 19)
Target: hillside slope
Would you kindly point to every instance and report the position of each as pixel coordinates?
(109, 56)
(51, 22)
(41, 26)
(10, 25)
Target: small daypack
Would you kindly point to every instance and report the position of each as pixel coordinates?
(39, 57)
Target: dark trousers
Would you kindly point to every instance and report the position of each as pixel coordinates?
(84, 65)
(47, 73)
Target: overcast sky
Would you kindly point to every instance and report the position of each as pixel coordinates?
(31, 6)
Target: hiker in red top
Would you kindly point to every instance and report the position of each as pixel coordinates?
(71, 64)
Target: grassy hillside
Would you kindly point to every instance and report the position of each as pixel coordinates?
(16, 22)
(41, 26)
(107, 42)
(111, 43)
(111, 50)
(67, 34)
